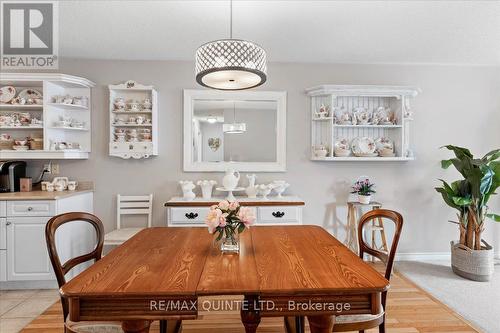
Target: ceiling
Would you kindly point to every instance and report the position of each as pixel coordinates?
(444, 32)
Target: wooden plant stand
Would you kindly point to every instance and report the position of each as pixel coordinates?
(352, 227)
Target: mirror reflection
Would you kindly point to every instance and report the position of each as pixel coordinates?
(234, 131)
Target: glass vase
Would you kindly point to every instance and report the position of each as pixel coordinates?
(230, 241)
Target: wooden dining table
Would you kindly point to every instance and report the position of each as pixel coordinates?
(161, 272)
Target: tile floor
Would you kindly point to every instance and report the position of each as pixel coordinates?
(19, 307)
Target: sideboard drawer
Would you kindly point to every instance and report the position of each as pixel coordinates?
(279, 214)
(31, 208)
(188, 215)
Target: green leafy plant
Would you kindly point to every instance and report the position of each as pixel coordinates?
(470, 195)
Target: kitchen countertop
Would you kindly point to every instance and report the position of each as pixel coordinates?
(83, 187)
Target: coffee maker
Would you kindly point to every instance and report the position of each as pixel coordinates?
(10, 173)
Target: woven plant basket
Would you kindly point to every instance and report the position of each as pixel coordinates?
(476, 265)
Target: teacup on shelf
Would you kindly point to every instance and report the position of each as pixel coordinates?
(146, 104)
(133, 106)
(341, 152)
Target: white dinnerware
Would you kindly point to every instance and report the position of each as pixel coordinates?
(134, 106)
(146, 104)
(251, 190)
(206, 188)
(72, 185)
(279, 187)
(264, 190)
(187, 187)
(323, 112)
(342, 148)
(7, 93)
(321, 151)
(363, 147)
(231, 179)
(342, 116)
(362, 116)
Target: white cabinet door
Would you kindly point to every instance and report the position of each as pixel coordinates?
(3, 233)
(27, 257)
(3, 208)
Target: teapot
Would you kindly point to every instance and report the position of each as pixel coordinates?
(321, 151)
(230, 181)
(323, 111)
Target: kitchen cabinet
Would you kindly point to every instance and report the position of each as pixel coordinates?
(27, 257)
(24, 261)
(64, 129)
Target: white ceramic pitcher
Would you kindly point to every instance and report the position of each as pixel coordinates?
(231, 179)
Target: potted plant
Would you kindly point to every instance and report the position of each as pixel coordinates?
(471, 256)
(229, 219)
(364, 189)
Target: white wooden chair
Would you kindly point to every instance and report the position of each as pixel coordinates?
(129, 205)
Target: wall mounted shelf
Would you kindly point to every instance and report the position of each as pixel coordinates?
(140, 146)
(326, 129)
(50, 85)
(69, 106)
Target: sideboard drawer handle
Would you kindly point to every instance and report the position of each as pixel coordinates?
(191, 215)
(278, 214)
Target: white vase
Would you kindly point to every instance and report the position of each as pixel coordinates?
(251, 190)
(187, 187)
(264, 190)
(364, 199)
(231, 179)
(206, 188)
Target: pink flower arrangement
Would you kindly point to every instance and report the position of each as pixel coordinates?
(229, 218)
(363, 187)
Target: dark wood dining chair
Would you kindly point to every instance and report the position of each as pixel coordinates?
(346, 323)
(62, 269)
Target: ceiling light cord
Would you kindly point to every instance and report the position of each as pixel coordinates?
(234, 112)
(230, 19)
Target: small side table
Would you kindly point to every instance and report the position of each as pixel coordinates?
(352, 226)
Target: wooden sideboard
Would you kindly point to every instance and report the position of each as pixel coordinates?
(274, 211)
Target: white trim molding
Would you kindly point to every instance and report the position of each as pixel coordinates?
(363, 90)
(430, 256)
(279, 97)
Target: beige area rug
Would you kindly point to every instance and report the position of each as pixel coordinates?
(477, 302)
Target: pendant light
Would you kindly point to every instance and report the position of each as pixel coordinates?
(234, 127)
(211, 119)
(230, 64)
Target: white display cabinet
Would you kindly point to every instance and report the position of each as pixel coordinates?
(332, 120)
(133, 111)
(65, 130)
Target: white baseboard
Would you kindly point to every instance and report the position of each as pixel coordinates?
(428, 256)
(15, 285)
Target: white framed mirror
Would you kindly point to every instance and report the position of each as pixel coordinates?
(242, 130)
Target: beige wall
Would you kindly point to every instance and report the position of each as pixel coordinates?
(458, 105)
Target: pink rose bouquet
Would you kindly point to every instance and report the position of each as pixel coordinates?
(228, 219)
